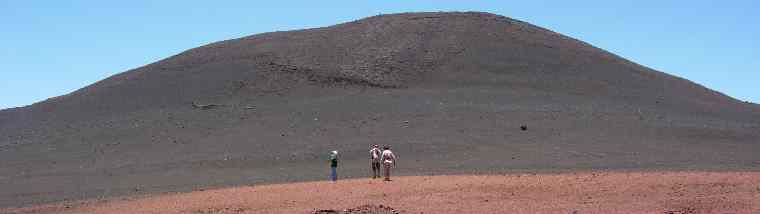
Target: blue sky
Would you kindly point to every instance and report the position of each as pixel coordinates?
(51, 48)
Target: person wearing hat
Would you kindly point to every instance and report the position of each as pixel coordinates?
(374, 160)
(388, 159)
(334, 166)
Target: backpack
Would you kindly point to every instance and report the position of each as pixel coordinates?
(388, 157)
(375, 154)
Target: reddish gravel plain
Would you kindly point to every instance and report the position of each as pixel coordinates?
(587, 192)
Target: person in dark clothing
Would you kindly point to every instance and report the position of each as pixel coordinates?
(334, 166)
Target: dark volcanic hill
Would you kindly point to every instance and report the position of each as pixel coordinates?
(449, 91)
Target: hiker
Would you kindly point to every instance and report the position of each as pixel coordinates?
(388, 159)
(334, 166)
(374, 160)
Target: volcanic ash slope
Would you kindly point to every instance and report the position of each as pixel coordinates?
(449, 92)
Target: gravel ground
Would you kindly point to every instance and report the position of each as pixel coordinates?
(586, 192)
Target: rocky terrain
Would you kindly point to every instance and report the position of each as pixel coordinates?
(577, 192)
(364, 209)
(451, 92)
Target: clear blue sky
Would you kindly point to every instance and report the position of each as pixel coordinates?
(51, 48)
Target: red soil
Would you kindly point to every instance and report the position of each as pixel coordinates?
(588, 192)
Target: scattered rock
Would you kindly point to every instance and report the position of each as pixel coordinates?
(687, 210)
(365, 209)
(205, 106)
(220, 210)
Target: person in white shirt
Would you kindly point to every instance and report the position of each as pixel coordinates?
(374, 160)
(334, 166)
(388, 159)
